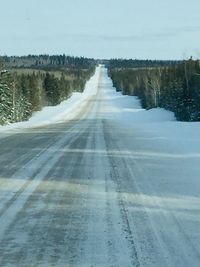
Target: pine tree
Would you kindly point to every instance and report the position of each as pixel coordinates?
(6, 103)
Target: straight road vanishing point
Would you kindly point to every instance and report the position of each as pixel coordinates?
(92, 191)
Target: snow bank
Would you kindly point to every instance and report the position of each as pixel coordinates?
(65, 110)
(169, 134)
(127, 109)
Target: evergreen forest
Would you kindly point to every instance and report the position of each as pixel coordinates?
(173, 85)
(29, 83)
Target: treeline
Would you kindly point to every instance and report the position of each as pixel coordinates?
(22, 92)
(48, 62)
(175, 87)
(137, 63)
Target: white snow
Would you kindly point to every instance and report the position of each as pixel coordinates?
(158, 159)
(162, 156)
(159, 123)
(65, 110)
(126, 111)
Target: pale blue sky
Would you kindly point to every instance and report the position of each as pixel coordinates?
(154, 29)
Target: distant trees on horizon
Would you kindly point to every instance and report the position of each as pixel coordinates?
(48, 62)
(138, 63)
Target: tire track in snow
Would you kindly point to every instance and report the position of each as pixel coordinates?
(35, 170)
(115, 176)
(21, 179)
(126, 176)
(31, 170)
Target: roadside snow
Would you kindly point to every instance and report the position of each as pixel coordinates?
(65, 110)
(182, 137)
(162, 159)
(124, 110)
(133, 182)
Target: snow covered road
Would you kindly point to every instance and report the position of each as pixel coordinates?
(113, 185)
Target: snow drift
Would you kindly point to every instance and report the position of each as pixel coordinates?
(65, 110)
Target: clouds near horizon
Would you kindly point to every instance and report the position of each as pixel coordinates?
(101, 29)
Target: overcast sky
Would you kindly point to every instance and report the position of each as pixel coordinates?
(154, 29)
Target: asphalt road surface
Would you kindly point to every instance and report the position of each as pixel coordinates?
(78, 193)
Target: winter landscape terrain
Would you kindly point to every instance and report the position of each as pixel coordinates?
(99, 181)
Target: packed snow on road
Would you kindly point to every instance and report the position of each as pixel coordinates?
(99, 181)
